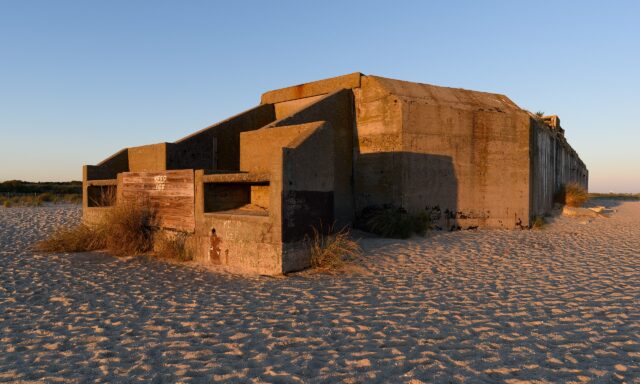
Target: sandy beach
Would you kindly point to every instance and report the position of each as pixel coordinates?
(561, 304)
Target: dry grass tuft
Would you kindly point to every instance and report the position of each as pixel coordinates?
(172, 245)
(332, 251)
(80, 238)
(575, 195)
(126, 230)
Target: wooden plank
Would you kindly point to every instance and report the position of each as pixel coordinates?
(170, 193)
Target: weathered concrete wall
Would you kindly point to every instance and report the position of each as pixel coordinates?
(459, 152)
(286, 108)
(108, 170)
(261, 148)
(196, 151)
(337, 109)
(378, 144)
(148, 158)
(308, 182)
(299, 161)
(553, 165)
(243, 243)
(111, 166)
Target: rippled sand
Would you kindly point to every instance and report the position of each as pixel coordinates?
(556, 305)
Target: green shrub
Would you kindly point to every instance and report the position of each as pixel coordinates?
(394, 222)
(6, 203)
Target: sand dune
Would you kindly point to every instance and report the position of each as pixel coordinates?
(557, 305)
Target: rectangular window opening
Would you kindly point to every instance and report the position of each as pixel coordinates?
(101, 195)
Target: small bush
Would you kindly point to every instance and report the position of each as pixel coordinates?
(332, 251)
(6, 203)
(575, 195)
(421, 222)
(394, 222)
(80, 238)
(172, 245)
(125, 230)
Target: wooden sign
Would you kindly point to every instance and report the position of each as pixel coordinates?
(170, 193)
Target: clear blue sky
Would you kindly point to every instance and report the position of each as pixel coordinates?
(81, 79)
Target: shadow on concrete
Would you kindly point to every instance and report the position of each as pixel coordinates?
(413, 181)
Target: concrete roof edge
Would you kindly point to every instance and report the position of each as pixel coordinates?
(112, 156)
(282, 122)
(382, 80)
(308, 129)
(191, 135)
(313, 88)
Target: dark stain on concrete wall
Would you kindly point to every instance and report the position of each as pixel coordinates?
(304, 210)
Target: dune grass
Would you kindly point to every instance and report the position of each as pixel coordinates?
(125, 230)
(332, 251)
(80, 238)
(575, 195)
(571, 194)
(173, 245)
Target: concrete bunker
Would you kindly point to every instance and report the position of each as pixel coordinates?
(248, 190)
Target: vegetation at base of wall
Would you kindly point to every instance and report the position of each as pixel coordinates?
(79, 238)
(393, 222)
(332, 251)
(571, 194)
(125, 230)
(32, 200)
(575, 195)
(538, 222)
(172, 245)
(128, 229)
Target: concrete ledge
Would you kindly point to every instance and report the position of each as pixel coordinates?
(102, 182)
(237, 178)
(313, 88)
